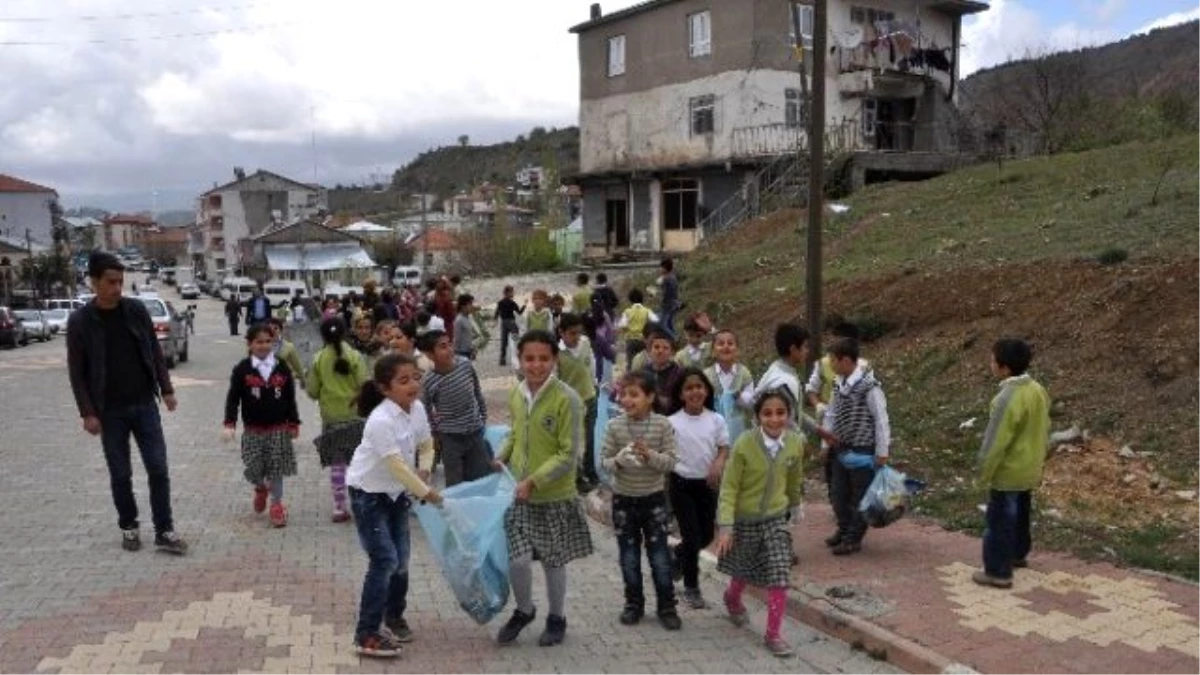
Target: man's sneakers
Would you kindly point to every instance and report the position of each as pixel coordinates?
(631, 615)
(398, 628)
(984, 579)
(833, 539)
(670, 620)
(278, 514)
(170, 542)
(509, 631)
(556, 630)
(693, 598)
(378, 645)
(847, 547)
(260, 498)
(131, 540)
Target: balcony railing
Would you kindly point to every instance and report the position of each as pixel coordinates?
(767, 140)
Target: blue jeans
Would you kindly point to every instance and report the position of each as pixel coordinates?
(143, 422)
(383, 532)
(1007, 537)
(666, 319)
(638, 519)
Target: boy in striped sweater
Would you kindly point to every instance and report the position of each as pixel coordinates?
(457, 412)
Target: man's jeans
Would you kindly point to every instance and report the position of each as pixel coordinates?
(644, 518)
(383, 532)
(508, 330)
(847, 488)
(143, 422)
(1007, 537)
(588, 470)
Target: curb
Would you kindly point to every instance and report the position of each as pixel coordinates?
(816, 612)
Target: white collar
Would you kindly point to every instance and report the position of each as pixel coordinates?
(269, 361)
(847, 382)
(393, 410)
(530, 397)
(1015, 379)
(772, 444)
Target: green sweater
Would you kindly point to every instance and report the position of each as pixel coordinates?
(546, 440)
(756, 487)
(336, 393)
(540, 319)
(576, 371)
(288, 354)
(1017, 437)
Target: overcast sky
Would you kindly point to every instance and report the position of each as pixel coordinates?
(112, 101)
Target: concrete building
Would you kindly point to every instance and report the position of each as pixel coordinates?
(310, 252)
(684, 103)
(123, 231)
(229, 216)
(27, 209)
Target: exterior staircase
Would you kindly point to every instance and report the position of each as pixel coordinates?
(782, 183)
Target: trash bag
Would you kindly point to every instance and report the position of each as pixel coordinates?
(856, 460)
(495, 435)
(603, 410)
(887, 499)
(466, 534)
(735, 420)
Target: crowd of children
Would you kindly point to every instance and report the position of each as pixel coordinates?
(695, 439)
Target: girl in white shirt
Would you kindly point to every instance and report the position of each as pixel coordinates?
(702, 439)
(384, 477)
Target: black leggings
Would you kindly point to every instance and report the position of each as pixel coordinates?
(695, 507)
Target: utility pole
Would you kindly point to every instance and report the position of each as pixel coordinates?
(816, 177)
(424, 234)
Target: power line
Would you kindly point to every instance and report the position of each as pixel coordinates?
(122, 17)
(145, 38)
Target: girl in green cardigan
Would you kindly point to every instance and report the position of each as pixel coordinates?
(334, 380)
(546, 521)
(760, 492)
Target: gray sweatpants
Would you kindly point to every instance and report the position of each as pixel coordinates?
(464, 456)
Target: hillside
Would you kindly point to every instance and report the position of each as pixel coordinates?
(1114, 91)
(451, 169)
(937, 270)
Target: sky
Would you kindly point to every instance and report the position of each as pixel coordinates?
(141, 105)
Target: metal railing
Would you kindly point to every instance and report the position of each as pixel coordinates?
(781, 183)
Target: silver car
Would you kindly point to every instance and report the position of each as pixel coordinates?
(36, 325)
(171, 329)
(57, 318)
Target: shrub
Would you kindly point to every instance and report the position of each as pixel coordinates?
(1112, 256)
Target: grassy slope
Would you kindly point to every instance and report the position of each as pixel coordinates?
(939, 267)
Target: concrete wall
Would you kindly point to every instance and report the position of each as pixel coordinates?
(20, 211)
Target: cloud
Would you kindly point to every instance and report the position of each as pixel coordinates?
(376, 81)
(1011, 30)
(1107, 10)
(1170, 20)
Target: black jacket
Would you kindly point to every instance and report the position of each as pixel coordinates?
(85, 354)
(265, 404)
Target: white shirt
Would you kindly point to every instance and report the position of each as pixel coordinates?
(389, 431)
(436, 323)
(876, 403)
(745, 397)
(773, 445)
(264, 366)
(697, 438)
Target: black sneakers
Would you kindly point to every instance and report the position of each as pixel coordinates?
(131, 540)
(670, 620)
(378, 645)
(170, 543)
(399, 629)
(509, 632)
(631, 615)
(556, 630)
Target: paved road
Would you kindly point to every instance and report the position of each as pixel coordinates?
(251, 598)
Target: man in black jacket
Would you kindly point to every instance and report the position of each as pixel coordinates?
(117, 372)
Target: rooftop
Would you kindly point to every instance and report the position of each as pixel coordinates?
(18, 185)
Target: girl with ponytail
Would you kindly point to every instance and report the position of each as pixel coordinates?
(335, 378)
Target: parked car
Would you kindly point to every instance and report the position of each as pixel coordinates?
(189, 291)
(35, 324)
(280, 293)
(171, 329)
(57, 318)
(12, 330)
(68, 304)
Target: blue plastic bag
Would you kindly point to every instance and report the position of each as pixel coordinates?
(495, 435)
(735, 420)
(888, 497)
(466, 534)
(603, 410)
(856, 460)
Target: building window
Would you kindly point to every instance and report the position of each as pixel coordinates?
(616, 55)
(805, 19)
(793, 111)
(681, 204)
(700, 34)
(869, 115)
(703, 114)
(869, 15)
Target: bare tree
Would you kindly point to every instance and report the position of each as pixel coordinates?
(1045, 93)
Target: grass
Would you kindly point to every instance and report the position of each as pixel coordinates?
(1091, 208)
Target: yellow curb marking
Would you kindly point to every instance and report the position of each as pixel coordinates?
(311, 647)
(1130, 611)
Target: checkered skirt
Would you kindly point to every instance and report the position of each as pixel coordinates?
(554, 533)
(267, 455)
(338, 441)
(761, 553)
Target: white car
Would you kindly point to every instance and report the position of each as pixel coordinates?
(189, 291)
(36, 325)
(57, 318)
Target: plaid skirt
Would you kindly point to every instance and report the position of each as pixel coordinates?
(761, 553)
(554, 533)
(267, 455)
(338, 441)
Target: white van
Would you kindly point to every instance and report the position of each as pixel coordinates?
(280, 293)
(242, 287)
(406, 275)
(65, 303)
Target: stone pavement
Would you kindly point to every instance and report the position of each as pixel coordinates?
(1062, 615)
(250, 598)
